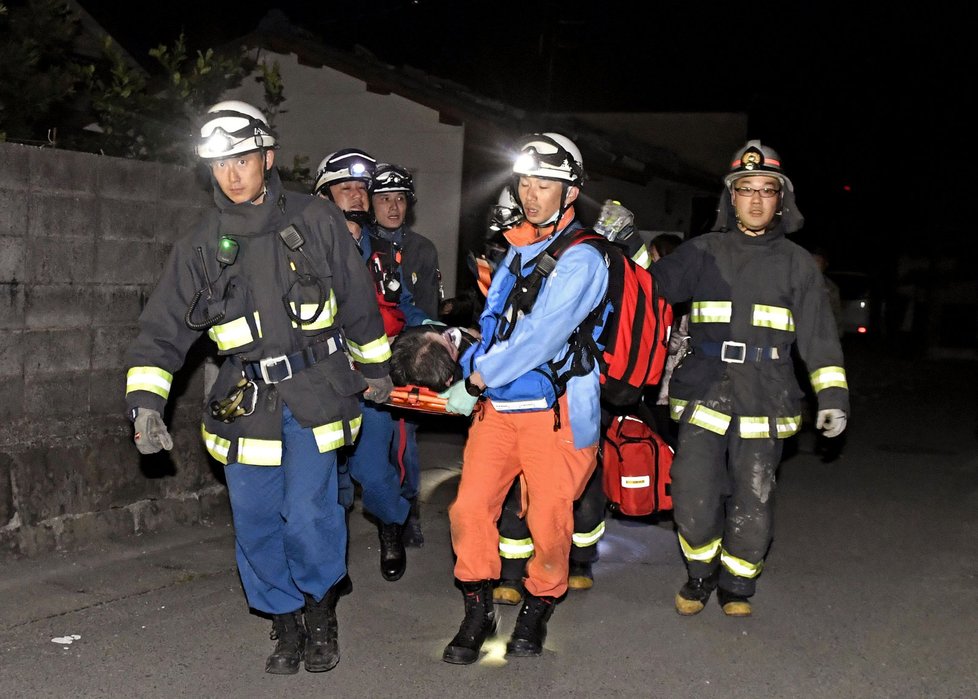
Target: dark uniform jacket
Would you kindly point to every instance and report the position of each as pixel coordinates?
(767, 293)
(419, 266)
(245, 315)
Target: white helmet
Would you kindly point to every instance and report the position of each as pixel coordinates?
(506, 212)
(233, 127)
(343, 166)
(550, 156)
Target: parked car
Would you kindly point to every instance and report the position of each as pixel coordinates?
(855, 292)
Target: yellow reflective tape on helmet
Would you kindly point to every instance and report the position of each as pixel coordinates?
(371, 353)
(149, 378)
(259, 452)
(709, 419)
(772, 317)
(754, 427)
(588, 538)
(676, 408)
(642, 257)
(829, 377)
(330, 436)
(515, 548)
(711, 312)
(705, 553)
(788, 426)
(227, 336)
(740, 567)
(218, 447)
(325, 318)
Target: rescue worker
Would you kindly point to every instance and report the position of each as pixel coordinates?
(754, 294)
(615, 222)
(269, 275)
(523, 428)
(393, 197)
(345, 177)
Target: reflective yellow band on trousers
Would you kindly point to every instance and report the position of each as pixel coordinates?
(709, 419)
(236, 333)
(588, 538)
(515, 548)
(149, 378)
(704, 554)
(740, 567)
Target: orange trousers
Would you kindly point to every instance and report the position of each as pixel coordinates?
(500, 447)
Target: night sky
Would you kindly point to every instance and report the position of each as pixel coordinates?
(864, 103)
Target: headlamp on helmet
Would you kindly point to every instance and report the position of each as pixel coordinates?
(506, 212)
(233, 128)
(756, 159)
(343, 166)
(393, 178)
(550, 156)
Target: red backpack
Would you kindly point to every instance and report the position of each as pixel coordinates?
(632, 345)
(636, 463)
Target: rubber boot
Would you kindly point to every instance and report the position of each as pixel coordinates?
(579, 576)
(393, 558)
(290, 637)
(531, 627)
(733, 604)
(479, 623)
(413, 536)
(322, 648)
(694, 594)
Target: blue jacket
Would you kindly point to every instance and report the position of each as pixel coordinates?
(515, 370)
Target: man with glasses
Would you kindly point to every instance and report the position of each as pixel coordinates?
(275, 280)
(754, 294)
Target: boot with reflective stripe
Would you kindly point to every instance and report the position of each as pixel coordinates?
(531, 627)
(323, 647)
(479, 623)
(288, 631)
(733, 604)
(693, 596)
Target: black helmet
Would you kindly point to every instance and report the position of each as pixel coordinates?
(393, 178)
(756, 159)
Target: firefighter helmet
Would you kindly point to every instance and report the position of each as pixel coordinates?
(506, 212)
(550, 156)
(756, 159)
(393, 178)
(342, 166)
(232, 128)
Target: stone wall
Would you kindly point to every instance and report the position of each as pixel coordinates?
(83, 239)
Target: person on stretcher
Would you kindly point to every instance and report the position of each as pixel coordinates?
(427, 356)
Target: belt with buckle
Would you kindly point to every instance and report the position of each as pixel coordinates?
(284, 367)
(740, 352)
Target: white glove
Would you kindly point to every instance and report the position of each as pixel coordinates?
(151, 434)
(831, 421)
(378, 390)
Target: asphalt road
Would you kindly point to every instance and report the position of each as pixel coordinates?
(870, 590)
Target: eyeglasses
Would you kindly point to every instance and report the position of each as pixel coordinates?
(764, 192)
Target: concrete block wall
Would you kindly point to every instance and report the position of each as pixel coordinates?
(83, 239)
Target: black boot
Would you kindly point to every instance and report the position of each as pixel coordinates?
(412, 527)
(288, 631)
(479, 623)
(531, 627)
(393, 558)
(322, 648)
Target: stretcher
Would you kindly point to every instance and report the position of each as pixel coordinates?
(417, 398)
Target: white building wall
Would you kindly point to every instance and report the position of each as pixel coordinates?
(326, 110)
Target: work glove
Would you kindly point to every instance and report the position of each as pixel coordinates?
(831, 421)
(378, 390)
(460, 401)
(150, 432)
